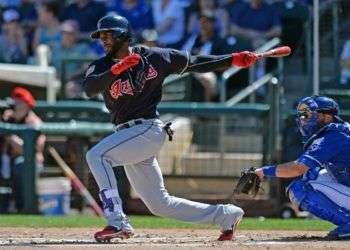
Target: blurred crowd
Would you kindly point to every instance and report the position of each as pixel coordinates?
(200, 26)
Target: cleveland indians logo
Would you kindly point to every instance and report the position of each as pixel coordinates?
(119, 88)
(152, 73)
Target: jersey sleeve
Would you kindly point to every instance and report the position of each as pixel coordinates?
(96, 80)
(91, 69)
(322, 150)
(174, 61)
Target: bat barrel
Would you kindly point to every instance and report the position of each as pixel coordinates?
(277, 52)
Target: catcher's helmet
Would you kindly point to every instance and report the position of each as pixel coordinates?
(118, 25)
(307, 109)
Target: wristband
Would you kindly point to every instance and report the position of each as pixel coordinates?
(270, 171)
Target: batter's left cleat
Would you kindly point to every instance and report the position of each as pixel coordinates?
(230, 234)
(110, 232)
(340, 233)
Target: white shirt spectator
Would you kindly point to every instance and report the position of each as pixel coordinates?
(345, 56)
(169, 21)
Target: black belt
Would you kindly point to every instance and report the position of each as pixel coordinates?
(131, 123)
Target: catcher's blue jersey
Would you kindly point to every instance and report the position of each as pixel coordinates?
(126, 101)
(330, 149)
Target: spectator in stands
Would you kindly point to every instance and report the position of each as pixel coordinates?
(138, 13)
(293, 16)
(28, 17)
(28, 12)
(71, 48)
(22, 113)
(345, 64)
(208, 42)
(86, 13)
(12, 42)
(169, 22)
(48, 31)
(8, 4)
(222, 17)
(232, 7)
(255, 21)
(149, 38)
(186, 3)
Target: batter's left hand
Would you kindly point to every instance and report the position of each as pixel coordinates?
(244, 59)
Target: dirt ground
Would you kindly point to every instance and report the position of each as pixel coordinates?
(154, 239)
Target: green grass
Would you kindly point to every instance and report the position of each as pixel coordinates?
(37, 221)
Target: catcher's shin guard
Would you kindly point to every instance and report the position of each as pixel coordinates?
(110, 232)
(303, 194)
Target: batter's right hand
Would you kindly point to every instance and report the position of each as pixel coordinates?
(244, 59)
(125, 64)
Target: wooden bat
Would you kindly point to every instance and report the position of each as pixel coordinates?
(277, 52)
(77, 184)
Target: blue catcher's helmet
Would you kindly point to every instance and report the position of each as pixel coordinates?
(307, 113)
(118, 25)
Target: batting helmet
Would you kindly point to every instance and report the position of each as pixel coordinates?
(118, 25)
(307, 113)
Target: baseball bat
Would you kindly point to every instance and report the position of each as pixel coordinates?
(277, 52)
(77, 184)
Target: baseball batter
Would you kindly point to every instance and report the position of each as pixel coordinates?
(323, 188)
(130, 79)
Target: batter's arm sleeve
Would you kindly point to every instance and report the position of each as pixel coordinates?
(95, 84)
(208, 63)
(179, 62)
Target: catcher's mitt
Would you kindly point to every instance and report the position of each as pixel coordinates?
(249, 183)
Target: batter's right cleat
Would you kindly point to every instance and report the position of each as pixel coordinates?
(110, 232)
(340, 233)
(230, 234)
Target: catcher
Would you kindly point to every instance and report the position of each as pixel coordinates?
(323, 186)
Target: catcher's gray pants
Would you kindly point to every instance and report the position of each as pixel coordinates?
(135, 148)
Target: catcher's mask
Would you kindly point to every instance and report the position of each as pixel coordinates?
(118, 26)
(307, 114)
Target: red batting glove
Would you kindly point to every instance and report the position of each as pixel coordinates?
(244, 59)
(125, 64)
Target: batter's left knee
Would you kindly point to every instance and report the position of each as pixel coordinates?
(159, 205)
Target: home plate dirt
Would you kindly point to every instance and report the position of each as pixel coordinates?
(80, 238)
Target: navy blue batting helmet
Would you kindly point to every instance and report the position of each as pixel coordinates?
(118, 25)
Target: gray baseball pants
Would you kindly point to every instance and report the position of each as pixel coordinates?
(135, 148)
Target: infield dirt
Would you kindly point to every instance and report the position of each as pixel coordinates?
(154, 239)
